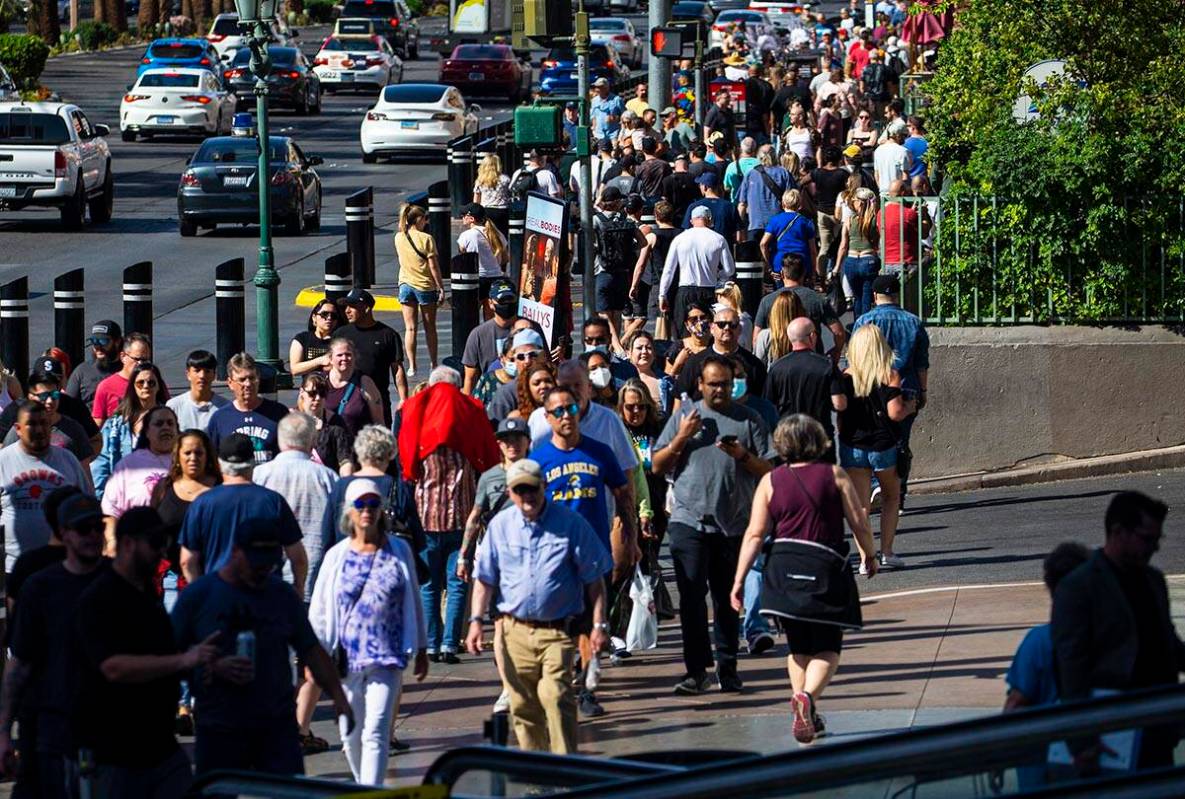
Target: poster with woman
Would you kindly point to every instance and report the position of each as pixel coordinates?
(542, 282)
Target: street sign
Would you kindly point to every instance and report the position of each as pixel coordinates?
(667, 42)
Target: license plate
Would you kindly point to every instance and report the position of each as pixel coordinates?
(235, 180)
(166, 120)
(329, 75)
(477, 76)
(409, 125)
(7, 191)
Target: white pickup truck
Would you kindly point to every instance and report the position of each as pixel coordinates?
(51, 155)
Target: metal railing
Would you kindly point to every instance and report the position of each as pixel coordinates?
(979, 264)
(245, 783)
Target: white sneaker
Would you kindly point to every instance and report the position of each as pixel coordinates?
(863, 568)
(891, 561)
(503, 703)
(874, 500)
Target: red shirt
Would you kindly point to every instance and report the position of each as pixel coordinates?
(900, 233)
(858, 57)
(107, 396)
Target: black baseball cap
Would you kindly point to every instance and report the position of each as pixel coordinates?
(143, 523)
(474, 210)
(359, 298)
(259, 538)
(104, 327)
(512, 427)
(605, 145)
(78, 511)
(236, 448)
(49, 366)
(610, 194)
(887, 285)
(502, 290)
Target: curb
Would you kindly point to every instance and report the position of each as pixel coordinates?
(99, 52)
(309, 297)
(1146, 461)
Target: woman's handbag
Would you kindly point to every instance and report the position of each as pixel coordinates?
(414, 536)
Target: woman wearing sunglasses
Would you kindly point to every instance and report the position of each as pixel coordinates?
(334, 447)
(696, 339)
(309, 350)
(367, 614)
(146, 390)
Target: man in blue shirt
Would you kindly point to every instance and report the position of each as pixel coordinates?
(917, 145)
(911, 356)
(543, 561)
(605, 110)
(724, 214)
(759, 198)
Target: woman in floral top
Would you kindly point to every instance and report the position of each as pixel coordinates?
(366, 612)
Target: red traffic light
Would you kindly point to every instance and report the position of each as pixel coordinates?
(666, 42)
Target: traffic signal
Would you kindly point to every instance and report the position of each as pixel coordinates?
(547, 18)
(667, 42)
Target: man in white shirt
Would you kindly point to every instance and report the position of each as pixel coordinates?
(703, 259)
(600, 167)
(195, 407)
(545, 180)
(892, 161)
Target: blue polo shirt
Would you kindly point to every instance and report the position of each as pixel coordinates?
(906, 335)
(599, 109)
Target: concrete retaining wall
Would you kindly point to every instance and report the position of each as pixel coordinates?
(1003, 397)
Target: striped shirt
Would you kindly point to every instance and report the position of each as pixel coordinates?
(446, 492)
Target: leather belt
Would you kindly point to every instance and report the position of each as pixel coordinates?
(556, 624)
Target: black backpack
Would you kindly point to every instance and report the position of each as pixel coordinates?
(617, 242)
(523, 183)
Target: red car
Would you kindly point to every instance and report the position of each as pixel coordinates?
(487, 69)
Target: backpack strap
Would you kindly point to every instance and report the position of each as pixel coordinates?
(769, 182)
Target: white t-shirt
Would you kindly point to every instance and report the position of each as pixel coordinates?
(890, 161)
(702, 257)
(474, 240)
(25, 481)
(194, 415)
(544, 180)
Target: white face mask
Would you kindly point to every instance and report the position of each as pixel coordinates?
(600, 377)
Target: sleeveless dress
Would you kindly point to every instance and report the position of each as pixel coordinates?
(348, 402)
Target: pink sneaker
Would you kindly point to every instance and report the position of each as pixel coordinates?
(803, 708)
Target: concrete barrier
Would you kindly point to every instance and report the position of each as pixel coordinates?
(1000, 398)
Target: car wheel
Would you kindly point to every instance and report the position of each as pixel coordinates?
(187, 229)
(314, 222)
(74, 211)
(302, 106)
(295, 224)
(102, 206)
(127, 135)
(369, 158)
(317, 108)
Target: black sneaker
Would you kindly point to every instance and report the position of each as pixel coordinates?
(761, 643)
(730, 683)
(449, 658)
(693, 684)
(589, 706)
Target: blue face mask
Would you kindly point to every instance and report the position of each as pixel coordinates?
(598, 348)
(510, 369)
(739, 387)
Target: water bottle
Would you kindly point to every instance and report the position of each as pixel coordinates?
(245, 645)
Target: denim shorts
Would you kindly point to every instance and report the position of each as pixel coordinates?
(410, 296)
(856, 458)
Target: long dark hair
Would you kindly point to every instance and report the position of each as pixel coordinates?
(146, 420)
(338, 319)
(129, 407)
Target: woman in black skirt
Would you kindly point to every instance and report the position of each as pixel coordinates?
(807, 582)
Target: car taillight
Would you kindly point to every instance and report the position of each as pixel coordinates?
(394, 22)
(238, 72)
(196, 98)
(608, 64)
(621, 37)
(293, 74)
(320, 62)
(375, 116)
(720, 29)
(549, 63)
(59, 164)
(281, 178)
(131, 98)
(145, 60)
(375, 60)
(190, 180)
(215, 37)
(205, 62)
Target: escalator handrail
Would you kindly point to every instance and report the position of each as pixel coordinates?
(234, 782)
(541, 768)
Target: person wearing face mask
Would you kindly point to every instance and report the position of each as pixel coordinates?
(492, 379)
(604, 385)
(523, 350)
(697, 339)
(598, 338)
(726, 341)
(484, 343)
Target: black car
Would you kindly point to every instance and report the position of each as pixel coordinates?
(392, 19)
(219, 185)
(291, 84)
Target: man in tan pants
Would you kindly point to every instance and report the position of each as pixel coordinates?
(544, 562)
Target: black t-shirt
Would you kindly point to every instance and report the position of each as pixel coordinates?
(679, 189)
(313, 347)
(129, 725)
(335, 445)
(68, 406)
(803, 382)
(1154, 652)
(651, 175)
(866, 423)
(43, 637)
(785, 97)
(758, 99)
(688, 380)
(28, 564)
(828, 184)
(724, 120)
(379, 348)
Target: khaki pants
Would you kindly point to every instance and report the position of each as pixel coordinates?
(538, 672)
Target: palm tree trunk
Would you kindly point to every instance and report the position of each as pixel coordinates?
(43, 21)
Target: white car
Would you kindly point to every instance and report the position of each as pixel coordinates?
(228, 38)
(754, 22)
(415, 117)
(619, 33)
(176, 101)
(344, 62)
(52, 155)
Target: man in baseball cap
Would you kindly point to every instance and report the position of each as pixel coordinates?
(378, 349)
(106, 342)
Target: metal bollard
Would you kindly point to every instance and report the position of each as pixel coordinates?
(440, 224)
(517, 227)
(466, 288)
(137, 298)
(496, 730)
(230, 314)
(14, 326)
(460, 172)
(337, 276)
(69, 315)
(750, 269)
(360, 236)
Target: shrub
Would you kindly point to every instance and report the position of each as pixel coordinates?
(24, 56)
(319, 10)
(416, 7)
(93, 35)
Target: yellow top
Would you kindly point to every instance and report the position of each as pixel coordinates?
(413, 269)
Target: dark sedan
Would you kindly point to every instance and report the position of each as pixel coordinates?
(291, 83)
(487, 69)
(219, 186)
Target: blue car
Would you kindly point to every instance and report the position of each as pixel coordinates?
(558, 73)
(195, 53)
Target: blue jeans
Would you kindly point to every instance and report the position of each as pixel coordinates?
(441, 553)
(860, 273)
(754, 623)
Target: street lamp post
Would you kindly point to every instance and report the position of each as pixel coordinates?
(254, 16)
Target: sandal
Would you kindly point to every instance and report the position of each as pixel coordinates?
(311, 744)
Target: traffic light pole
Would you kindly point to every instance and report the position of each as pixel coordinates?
(658, 76)
(701, 102)
(586, 187)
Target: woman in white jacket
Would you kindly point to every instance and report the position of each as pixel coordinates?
(366, 612)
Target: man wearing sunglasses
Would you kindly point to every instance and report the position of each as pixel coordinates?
(106, 342)
(46, 390)
(726, 341)
(546, 565)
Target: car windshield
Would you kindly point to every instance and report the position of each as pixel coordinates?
(167, 80)
(561, 54)
(480, 52)
(32, 128)
(413, 93)
(368, 8)
(227, 26)
(607, 24)
(687, 10)
(175, 50)
(353, 45)
(281, 56)
(739, 16)
(236, 151)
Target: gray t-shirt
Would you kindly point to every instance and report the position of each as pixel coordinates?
(86, 378)
(491, 487)
(504, 401)
(484, 344)
(25, 481)
(192, 415)
(712, 491)
(67, 434)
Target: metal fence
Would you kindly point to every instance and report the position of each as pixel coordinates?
(982, 263)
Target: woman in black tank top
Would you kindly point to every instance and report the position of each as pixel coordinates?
(660, 237)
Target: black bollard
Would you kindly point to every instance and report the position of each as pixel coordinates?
(69, 315)
(466, 289)
(14, 326)
(518, 223)
(230, 315)
(750, 269)
(440, 224)
(460, 172)
(360, 236)
(137, 298)
(337, 276)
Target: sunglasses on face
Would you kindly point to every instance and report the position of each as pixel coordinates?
(372, 503)
(695, 320)
(526, 356)
(634, 407)
(727, 325)
(593, 340)
(136, 359)
(100, 341)
(43, 396)
(326, 315)
(572, 409)
(145, 384)
(315, 392)
(525, 490)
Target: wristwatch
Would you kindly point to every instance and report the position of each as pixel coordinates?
(477, 619)
(603, 627)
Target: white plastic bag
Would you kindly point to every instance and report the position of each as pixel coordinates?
(643, 627)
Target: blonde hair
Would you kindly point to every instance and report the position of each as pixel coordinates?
(497, 243)
(489, 172)
(870, 360)
(790, 162)
(854, 184)
(409, 215)
(792, 199)
(863, 206)
(730, 294)
(786, 308)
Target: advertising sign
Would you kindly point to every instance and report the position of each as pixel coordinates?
(542, 278)
(469, 16)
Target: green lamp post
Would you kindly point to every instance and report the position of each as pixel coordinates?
(254, 16)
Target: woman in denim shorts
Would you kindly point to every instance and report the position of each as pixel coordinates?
(868, 432)
(420, 284)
